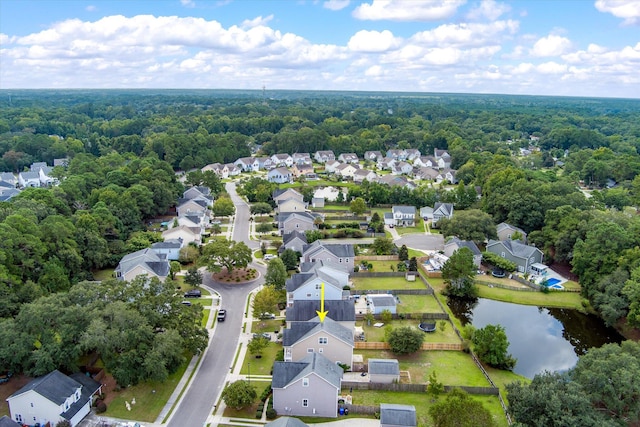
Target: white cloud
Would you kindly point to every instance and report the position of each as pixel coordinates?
(488, 9)
(256, 22)
(407, 10)
(629, 10)
(551, 68)
(335, 4)
(552, 45)
(523, 68)
(188, 3)
(464, 34)
(374, 71)
(373, 41)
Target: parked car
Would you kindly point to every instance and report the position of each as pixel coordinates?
(187, 303)
(263, 335)
(265, 316)
(268, 257)
(193, 293)
(222, 314)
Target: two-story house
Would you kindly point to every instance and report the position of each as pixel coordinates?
(288, 193)
(296, 221)
(522, 255)
(348, 158)
(292, 204)
(441, 210)
(330, 166)
(308, 285)
(280, 175)
(323, 156)
(301, 158)
(52, 398)
(453, 244)
(145, 262)
(362, 175)
(296, 240)
(342, 311)
(185, 233)
(170, 249)
(341, 255)
(309, 387)
(330, 338)
(404, 216)
(401, 168)
(247, 164)
(373, 156)
(282, 160)
(346, 170)
(509, 232)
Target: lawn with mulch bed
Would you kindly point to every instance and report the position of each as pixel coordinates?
(237, 275)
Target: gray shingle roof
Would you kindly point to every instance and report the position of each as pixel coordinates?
(89, 387)
(293, 235)
(398, 415)
(167, 244)
(383, 300)
(30, 175)
(444, 208)
(505, 226)
(297, 280)
(339, 310)
(5, 421)
(464, 244)
(285, 373)
(409, 210)
(384, 366)
(339, 250)
(516, 248)
(156, 263)
(301, 330)
(55, 386)
(283, 422)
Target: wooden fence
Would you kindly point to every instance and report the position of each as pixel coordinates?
(376, 258)
(378, 274)
(359, 345)
(415, 388)
(391, 291)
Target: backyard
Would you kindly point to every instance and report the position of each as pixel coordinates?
(449, 336)
(385, 283)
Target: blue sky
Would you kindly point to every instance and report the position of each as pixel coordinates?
(538, 47)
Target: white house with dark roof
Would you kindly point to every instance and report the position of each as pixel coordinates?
(331, 166)
(53, 398)
(453, 244)
(308, 285)
(386, 163)
(396, 415)
(7, 193)
(404, 216)
(333, 340)
(522, 255)
(373, 155)
(442, 210)
(341, 255)
(247, 164)
(308, 388)
(145, 262)
(292, 204)
(412, 154)
(401, 168)
(323, 156)
(385, 371)
(9, 177)
(362, 175)
(265, 163)
(397, 154)
(346, 170)
(185, 233)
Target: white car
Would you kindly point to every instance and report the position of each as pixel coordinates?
(268, 257)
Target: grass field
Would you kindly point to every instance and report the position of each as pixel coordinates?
(150, 398)
(385, 283)
(423, 402)
(418, 304)
(263, 365)
(105, 274)
(373, 334)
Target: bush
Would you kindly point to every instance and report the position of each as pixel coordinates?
(266, 393)
(497, 261)
(258, 414)
(101, 407)
(271, 414)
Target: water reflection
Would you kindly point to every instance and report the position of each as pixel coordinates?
(540, 338)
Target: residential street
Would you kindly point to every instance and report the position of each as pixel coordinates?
(197, 402)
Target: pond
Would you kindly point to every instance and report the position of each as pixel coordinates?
(540, 338)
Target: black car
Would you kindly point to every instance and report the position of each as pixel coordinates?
(222, 314)
(193, 293)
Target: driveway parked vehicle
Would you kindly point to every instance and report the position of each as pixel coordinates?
(222, 314)
(193, 293)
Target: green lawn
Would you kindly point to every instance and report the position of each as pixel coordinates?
(263, 365)
(423, 402)
(373, 334)
(105, 274)
(385, 283)
(148, 403)
(418, 304)
(250, 411)
(551, 299)
(205, 302)
(454, 368)
(205, 318)
(270, 325)
(415, 253)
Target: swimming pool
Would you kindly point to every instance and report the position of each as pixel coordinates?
(553, 283)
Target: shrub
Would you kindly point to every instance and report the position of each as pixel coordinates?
(258, 414)
(101, 407)
(271, 414)
(265, 394)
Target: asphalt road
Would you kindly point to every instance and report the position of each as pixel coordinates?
(197, 402)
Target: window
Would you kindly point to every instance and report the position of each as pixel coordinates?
(309, 350)
(305, 382)
(32, 404)
(308, 295)
(305, 403)
(322, 340)
(339, 259)
(318, 286)
(502, 254)
(321, 350)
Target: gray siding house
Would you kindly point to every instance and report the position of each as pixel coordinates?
(307, 388)
(332, 340)
(522, 255)
(442, 210)
(394, 415)
(454, 244)
(295, 221)
(342, 311)
(508, 232)
(341, 256)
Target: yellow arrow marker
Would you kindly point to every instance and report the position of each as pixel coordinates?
(322, 314)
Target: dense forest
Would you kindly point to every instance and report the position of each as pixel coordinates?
(124, 148)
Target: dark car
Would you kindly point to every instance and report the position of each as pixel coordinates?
(222, 313)
(193, 293)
